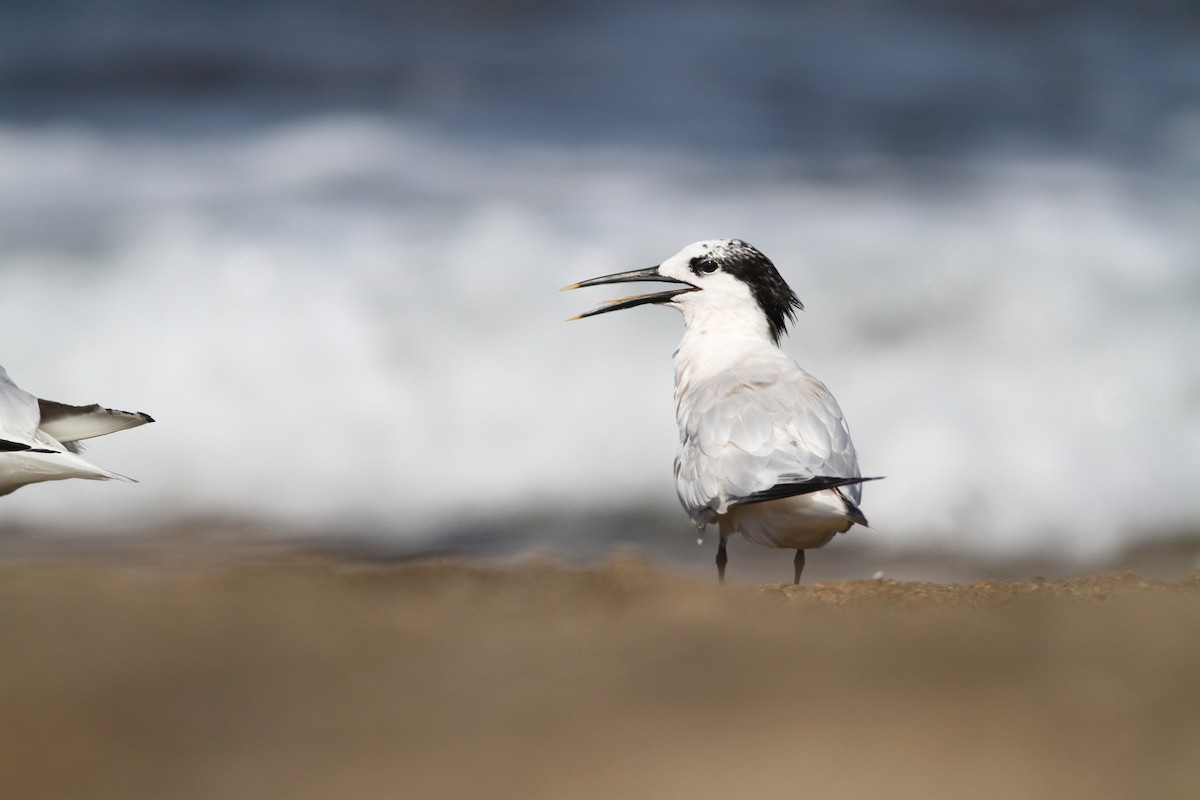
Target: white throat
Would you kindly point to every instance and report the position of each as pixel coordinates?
(723, 308)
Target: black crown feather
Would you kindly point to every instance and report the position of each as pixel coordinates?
(747, 263)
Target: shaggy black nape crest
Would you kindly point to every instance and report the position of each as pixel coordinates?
(746, 263)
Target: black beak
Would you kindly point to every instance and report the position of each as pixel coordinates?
(636, 276)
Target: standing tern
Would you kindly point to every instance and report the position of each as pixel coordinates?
(39, 439)
(763, 448)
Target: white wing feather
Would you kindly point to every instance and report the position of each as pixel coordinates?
(19, 415)
(69, 424)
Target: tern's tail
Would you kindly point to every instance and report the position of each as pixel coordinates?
(60, 465)
(853, 512)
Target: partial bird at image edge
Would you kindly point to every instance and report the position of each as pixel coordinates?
(40, 440)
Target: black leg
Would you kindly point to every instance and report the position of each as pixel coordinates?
(722, 560)
(799, 562)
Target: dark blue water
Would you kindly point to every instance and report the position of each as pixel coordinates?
(822, 81)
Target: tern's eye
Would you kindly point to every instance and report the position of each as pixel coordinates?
(702, 266)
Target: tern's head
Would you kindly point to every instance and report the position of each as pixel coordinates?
(726, 284)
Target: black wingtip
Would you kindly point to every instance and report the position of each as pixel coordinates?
(142, 415)
(817, 483)
(8, 446)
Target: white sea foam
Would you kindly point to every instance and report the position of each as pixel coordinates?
(344, 321)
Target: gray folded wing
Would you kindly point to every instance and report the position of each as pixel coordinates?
(749, 429)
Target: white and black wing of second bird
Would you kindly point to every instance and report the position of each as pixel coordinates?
(764, 450)
(40, 439)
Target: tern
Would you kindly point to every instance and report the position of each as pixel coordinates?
(39, 439)
(764, 450)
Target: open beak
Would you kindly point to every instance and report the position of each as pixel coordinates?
(635, 276)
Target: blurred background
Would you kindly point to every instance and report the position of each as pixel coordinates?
(321, 243)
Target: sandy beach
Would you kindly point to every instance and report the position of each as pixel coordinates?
(307, 677)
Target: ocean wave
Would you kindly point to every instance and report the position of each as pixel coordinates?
(348, 321)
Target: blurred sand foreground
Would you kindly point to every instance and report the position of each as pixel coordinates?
(311, 678)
